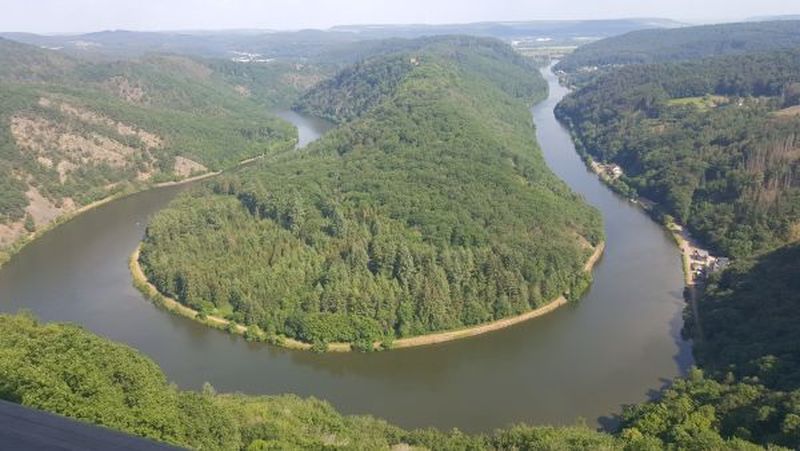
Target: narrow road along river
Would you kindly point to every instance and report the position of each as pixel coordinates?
(585, 360)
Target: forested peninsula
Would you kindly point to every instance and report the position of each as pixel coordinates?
(429, 208)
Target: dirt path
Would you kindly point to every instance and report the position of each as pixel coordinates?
(151, 292)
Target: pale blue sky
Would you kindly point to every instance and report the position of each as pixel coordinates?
(93, 15)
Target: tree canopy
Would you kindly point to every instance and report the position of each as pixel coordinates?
(430, 208)
(714, 142)
(684, 43)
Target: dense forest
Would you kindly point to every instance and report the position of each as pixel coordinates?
(687, 43)
(74, 131)
(356, 89)
(714, 142)
(750, 356)
(431, 209)
(69, 371)
(749, 315)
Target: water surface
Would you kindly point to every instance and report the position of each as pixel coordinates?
(584, 360)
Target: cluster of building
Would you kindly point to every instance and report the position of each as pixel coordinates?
(702, 263)
(611, 171)
(247, 57)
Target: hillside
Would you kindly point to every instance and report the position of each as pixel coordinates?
(689, 43)
(66, 370)
(749, 315)
(750, 356)
(73, 132)
(336, 45)
(431, 209)
(714, 142)
(358, 88)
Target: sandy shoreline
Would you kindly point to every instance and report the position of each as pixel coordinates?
(151, 292)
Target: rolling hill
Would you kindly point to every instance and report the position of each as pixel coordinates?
(687, 43)
(73, 132)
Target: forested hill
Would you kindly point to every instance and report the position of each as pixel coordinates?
(358, 88)
(676, 44)
(432, 209)
(749, 348)
(714, 142)
(66, 370)
(749, 316)
(74, 131)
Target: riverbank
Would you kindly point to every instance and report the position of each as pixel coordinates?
(686, 244)
(18, 245)
(150, 291)
(9, 252)
(683, 239)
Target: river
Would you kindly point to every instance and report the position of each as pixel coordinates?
(615, 346)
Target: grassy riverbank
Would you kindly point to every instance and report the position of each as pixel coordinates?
(254, 333)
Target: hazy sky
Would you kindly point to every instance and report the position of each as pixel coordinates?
(93, 15)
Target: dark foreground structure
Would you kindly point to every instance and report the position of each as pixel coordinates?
(24, 429)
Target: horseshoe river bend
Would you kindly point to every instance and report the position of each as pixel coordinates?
(584, 360)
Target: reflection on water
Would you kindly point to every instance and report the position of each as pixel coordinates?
(584, 360)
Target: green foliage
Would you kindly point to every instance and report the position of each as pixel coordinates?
(275, 84)
(67, 370)
(749, 315)
(189, 105)
(685, 43)
(30, 225)
(430, 209)
(356, 89)
(727, 168)
(702, 413)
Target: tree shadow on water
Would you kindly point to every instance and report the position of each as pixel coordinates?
(611, 423)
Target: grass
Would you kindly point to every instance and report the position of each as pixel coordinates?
(703, 103)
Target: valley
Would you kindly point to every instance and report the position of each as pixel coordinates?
(598, 252)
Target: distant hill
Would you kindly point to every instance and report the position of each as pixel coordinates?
(773, 18)
(553, 29)
(74, 131)
(326, 45)
(680, 44)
